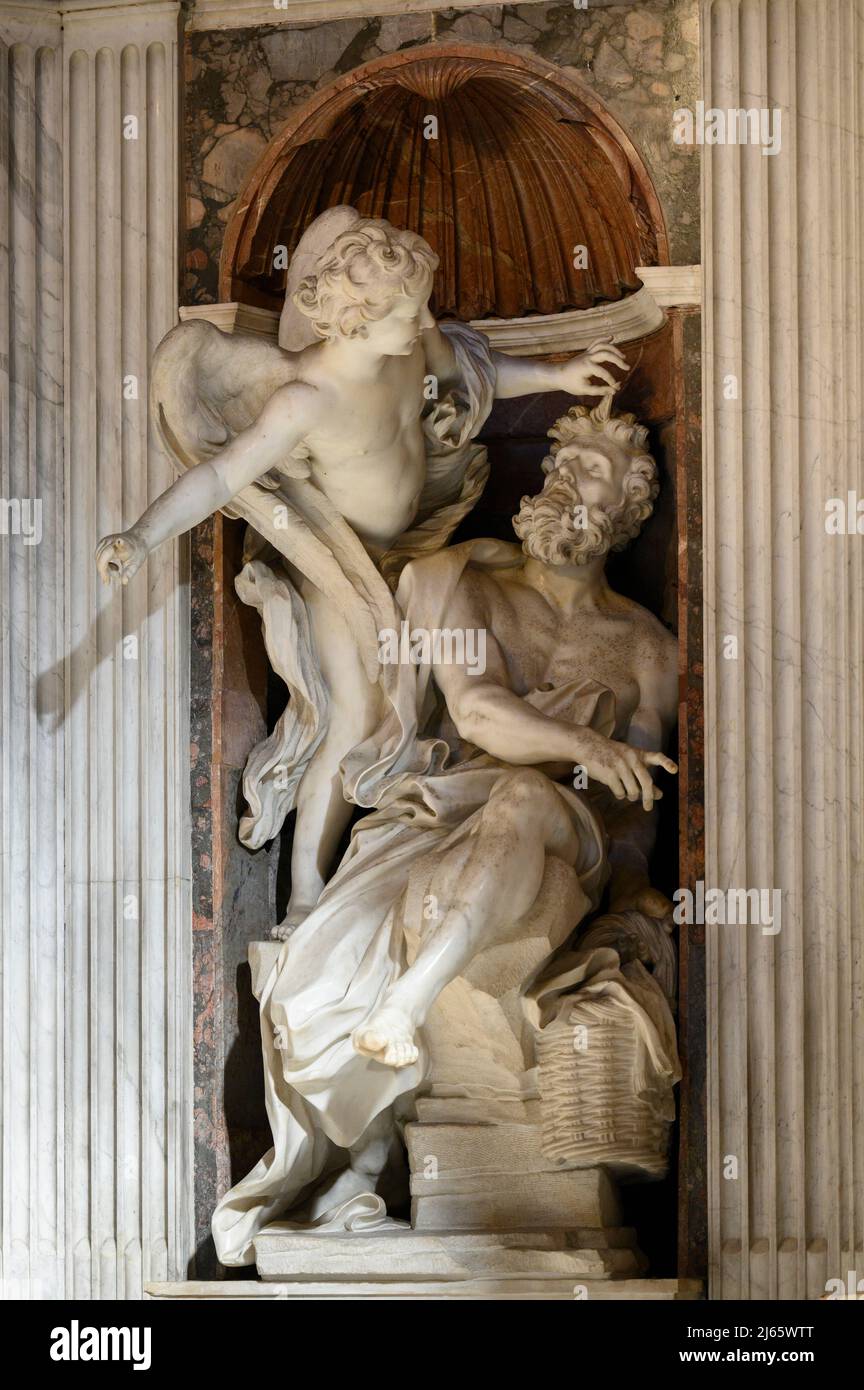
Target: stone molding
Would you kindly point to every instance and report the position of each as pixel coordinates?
(242, 14)
(626, 320)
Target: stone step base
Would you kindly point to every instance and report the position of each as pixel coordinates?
(514, 1201)
(486, 1290)
(472, 1150)
(406, 1255)
(465, 1110)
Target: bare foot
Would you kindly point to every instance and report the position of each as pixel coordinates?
(335, 1191)
(293, 918)
(284, 930)
(388, 1037)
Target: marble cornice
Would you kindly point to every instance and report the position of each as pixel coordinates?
(628, 320)
(117, 9)
(35, 21)
(241, 14)
(26, 21)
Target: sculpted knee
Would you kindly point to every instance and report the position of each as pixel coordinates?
(522, 792)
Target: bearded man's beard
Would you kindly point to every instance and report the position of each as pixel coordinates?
(548, 528)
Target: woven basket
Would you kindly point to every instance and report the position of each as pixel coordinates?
(591, 1113)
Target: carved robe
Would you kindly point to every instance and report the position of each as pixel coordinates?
(332, 973)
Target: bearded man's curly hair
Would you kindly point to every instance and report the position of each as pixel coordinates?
(545, 524)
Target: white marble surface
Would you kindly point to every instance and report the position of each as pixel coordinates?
(236, 14)
(547, 1289)
(784, 261)
(96, 1018)
(31, 642)
(283, 1255)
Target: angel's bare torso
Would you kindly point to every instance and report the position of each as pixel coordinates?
(365, 441)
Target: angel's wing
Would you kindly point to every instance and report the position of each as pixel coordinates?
(206, 387)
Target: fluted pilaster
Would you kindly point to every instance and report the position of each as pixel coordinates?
(784, 338)
(31, 647)
(97, 979)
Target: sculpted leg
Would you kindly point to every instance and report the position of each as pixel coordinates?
(376, 1164)
(481, 888)
(322, 811)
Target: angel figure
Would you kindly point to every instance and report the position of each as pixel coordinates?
(350, 449)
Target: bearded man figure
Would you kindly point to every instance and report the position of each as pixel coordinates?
(577, 677)
(473, 803)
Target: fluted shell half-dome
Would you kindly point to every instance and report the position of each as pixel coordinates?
(502, 167)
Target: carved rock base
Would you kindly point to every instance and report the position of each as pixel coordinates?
(490, 1218)
(494, 1177)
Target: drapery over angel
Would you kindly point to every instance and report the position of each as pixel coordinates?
(207, 386)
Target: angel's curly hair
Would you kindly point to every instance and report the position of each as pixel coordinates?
(358, 280)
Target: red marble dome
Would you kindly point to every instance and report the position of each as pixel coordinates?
(521, 171)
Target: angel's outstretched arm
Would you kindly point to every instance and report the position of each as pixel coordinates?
(523, 376)
(440, 358)
(285, 419)
(586, 374)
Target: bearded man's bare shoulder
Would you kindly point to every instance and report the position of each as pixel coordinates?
(492, 593)
(652, 640)
(655, 648)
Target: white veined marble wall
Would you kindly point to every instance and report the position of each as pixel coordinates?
(94, 874)
(96, 1017)
(784, 721)
(31, 641)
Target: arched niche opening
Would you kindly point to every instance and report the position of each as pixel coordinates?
(498, 160)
